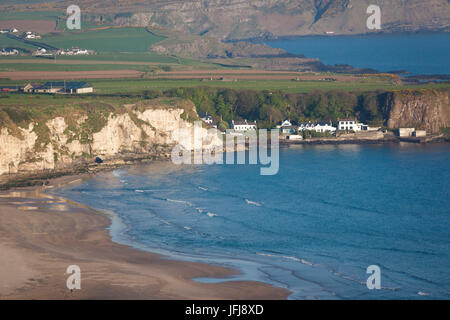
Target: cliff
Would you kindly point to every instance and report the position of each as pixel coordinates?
(60, 138)
(238, 19)
(427, 109)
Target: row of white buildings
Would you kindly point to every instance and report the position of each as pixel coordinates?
(236, 125)
(322, 126)
(74, 52)
(63, 52)
(288, 128)
(9, 52)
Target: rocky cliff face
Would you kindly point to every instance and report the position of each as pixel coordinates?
(427, 109)
(132, 132)
(237, 19)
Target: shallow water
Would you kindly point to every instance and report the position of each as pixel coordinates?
(313, 228)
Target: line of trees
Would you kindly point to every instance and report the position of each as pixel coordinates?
(269, 108)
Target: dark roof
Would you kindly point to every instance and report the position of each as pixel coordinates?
(239, 122)
(322, 123)
(204, 115)
(68, 85)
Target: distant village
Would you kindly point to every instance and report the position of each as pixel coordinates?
(310, 129)
(43, 52)
(62, 52)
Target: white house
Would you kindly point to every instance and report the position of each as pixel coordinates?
(406, 132)
(78, 51)
(31, 35)
(206, 118)
(243, 125)
(9, 52)
(286, 123)
(75, 52)
(324, 127)
(42, 52)
(317, 126)
(350, 125)
(305, 126)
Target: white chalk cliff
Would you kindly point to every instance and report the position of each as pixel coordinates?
(133, 132)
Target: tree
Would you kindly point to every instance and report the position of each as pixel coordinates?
(270, 116)
(247, 104)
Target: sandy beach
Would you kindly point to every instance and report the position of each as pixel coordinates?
(41, 235)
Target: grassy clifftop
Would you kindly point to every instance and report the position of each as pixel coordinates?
(19, 111)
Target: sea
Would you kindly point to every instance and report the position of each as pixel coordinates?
(314, 228)
(418, 54)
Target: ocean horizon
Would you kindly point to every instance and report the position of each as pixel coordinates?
(313, 228)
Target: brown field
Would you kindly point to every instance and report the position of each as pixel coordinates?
(250, 75)
(64, 75)
(226, 75)
(60, 60)
(39, 26)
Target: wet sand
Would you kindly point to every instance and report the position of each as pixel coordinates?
(41, 235)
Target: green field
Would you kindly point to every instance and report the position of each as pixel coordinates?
(30, 15)
(6, 42)
(70, 67)
(106, 40)
(136, 86)
(149, 57)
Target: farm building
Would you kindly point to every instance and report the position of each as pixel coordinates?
(60, 87)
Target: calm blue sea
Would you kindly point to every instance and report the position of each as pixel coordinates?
(313, 228)
(415, 53)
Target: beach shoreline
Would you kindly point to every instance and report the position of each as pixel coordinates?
(42, 234)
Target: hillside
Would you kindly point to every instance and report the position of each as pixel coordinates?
(237, 19)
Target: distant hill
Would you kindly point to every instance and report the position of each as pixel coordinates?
(238, 19)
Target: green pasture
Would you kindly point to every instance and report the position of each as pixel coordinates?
(106, 40)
